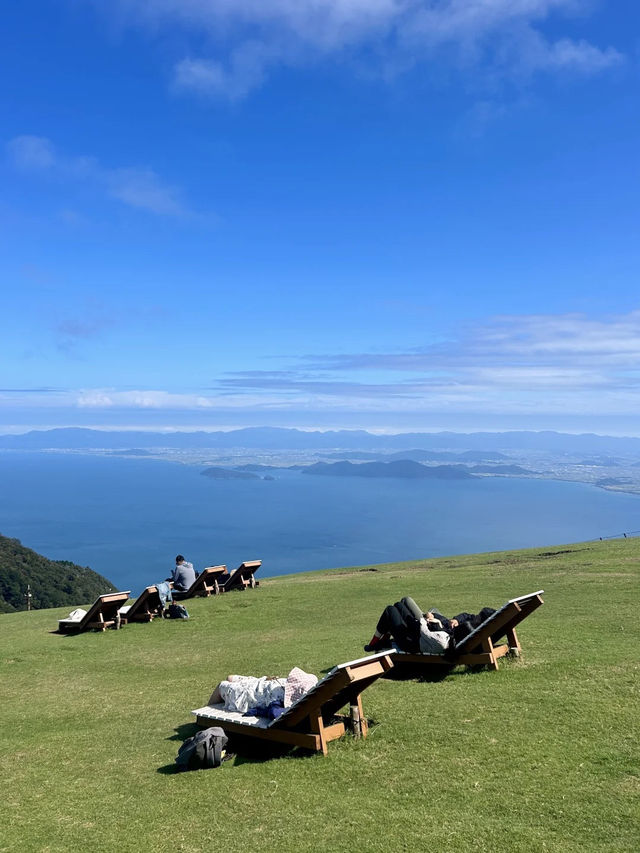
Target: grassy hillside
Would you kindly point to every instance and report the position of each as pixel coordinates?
(542, 755)
(54, 583)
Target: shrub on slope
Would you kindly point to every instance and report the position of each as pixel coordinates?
(54, 583)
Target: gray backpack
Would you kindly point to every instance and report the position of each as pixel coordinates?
(203, 750)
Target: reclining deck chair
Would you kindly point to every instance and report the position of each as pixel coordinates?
(102, 614)
(312, 721)
(243, 576)
(479, 647)
(145, 608)
(210, 581)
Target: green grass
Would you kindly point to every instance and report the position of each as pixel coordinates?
(540, 756)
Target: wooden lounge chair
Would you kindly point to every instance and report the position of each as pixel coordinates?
(312, 721)
(243, 576)
(479, 647)
(102, 614)
(145, 608)
(209, 581)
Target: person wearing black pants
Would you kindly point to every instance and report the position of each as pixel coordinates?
(401, 622)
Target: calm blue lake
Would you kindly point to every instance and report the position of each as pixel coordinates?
(128, 518)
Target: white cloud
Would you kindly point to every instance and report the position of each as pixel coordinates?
(556, 365)
(246, 38)
(576, 55)
(140, 188)
(101, 398)
(607, 342)
(31, 152)
(327, 22)
(612, 340)
(245, 70)
(112, 398)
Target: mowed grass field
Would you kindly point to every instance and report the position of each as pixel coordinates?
(542, 755)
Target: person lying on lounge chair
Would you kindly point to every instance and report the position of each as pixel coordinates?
(405, 625)
(264, 696)
(464, 623)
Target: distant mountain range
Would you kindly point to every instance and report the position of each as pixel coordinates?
(418, 455)
(274, 438)
(448, 456)
(53, 583)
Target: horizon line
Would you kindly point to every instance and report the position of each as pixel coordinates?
(320, 430)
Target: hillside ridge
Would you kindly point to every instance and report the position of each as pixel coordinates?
(52, 583)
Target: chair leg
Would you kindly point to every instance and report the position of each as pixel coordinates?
(317, 727)
(514, 645)
(487, 647)
(358, 720)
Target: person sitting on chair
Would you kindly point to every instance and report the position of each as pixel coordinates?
(183, 576)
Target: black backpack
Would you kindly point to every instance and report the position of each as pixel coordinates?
(203, 750)
(177, 611)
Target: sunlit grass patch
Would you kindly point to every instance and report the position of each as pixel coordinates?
(541, 755)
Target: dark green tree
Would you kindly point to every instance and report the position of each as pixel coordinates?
(54, 583)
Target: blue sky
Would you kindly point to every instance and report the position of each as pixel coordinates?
(383, 214)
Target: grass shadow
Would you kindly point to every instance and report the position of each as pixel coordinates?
(184, 731)
(240, 749)
(249, 750)
(418, 672)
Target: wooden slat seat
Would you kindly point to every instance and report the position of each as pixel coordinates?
(145, 608)
(102, 614)
(480, 647)
(210, 581)
(243, 576)
(313, 721)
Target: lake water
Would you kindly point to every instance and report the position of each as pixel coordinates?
(128, 518)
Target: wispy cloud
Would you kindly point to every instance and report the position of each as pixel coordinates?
(157, 399)
(78, 328)
(537, 366)
(244, 70)
(612, 341)
(140, 188)
(514, 363)
(32, 152)
(87, 322)
(30, 390)
(101, 398)
(248, 38)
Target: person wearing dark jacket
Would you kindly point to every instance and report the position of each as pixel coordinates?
(464, 623)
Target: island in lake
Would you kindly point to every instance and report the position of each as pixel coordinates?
(403, 468)
(229, 474)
